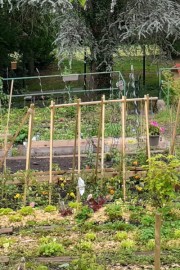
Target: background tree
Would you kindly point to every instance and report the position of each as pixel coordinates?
(28, 32)
(103, 26)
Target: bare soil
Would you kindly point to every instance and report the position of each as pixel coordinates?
(39, 163)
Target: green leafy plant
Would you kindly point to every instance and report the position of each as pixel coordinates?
(26, 210)
(84, 246)
(146, 234)
(114, 211)
(84, 213)
(128, 244)
(155, 129)
(5, 211)
(177, 234)
(162, 176)
(22, 136)
(119, 236)
(135, 218)
(51, 248)
(90, 236)
(147, 220)
(86, 261)
(42, 267)
(15, 218)
(150, 244)
(50, 208)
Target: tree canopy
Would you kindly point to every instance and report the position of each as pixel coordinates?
(29, 33)
(104, 25)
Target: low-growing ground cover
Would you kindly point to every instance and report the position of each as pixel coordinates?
(100, 232)
(104, 239)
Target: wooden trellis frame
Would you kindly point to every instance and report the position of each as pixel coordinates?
(102, 102)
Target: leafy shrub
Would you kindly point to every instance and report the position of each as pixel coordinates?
(50, 208)
(26, 210)
(161, 178)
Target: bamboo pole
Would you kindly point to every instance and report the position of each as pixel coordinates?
(79, 134)
(99, 102)
(123, 120)
(157, 262)
(99, 137)
(7, 125)
(15, 136)
(146, 107)
(51, 150)
(102, 134)
(175, 129)
(28, 153)
(75, 144)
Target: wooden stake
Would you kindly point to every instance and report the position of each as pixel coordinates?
(123, 120)
(75, 144)
(98, 142)
(7, 125)
(28, 153)
(175, 129)
(102, 133)
(51, 150)
(157, 262)
(146, 107)
(79, 135)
